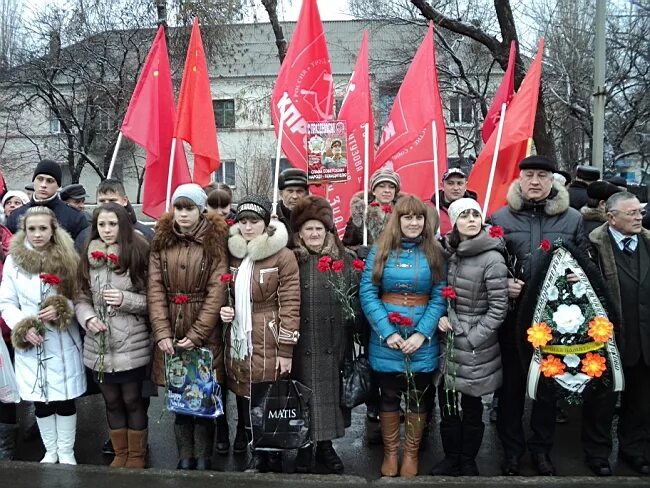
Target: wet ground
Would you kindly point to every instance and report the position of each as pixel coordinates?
(361, 461)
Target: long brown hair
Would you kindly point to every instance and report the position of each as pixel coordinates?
(134, 249)
(391, 237)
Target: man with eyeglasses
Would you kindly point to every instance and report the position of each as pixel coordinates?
(623, 249)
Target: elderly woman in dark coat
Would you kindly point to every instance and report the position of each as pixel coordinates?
(471, 357)
(325, 330)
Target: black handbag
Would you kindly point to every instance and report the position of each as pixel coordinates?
(355, 380)
(280, 414)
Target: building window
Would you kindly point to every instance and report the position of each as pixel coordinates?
(461, 110)
(226, 172)
(284, 164)
(93, 116)
(224, 113)
(338, 103)
(55, 124)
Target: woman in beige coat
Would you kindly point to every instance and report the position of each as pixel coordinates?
(262, 328)
(112, 308)
(188, 258)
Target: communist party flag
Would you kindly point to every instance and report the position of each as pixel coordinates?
(356, 111)
(195, 123)
(503, 95)
(149, 122)
(304, 89)
(515, 141)
(407, 142)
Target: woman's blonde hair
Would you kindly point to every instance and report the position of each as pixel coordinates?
(391, 237)
(62, 257)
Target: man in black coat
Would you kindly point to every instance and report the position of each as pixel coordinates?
(578, 187)
(47, 182)
(293, 187)
(623, 249)
(538, 209)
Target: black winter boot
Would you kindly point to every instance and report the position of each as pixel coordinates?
(326, 457)
(472, 438)
(303, 459)
(185, 443)
(451, 434)
(203, 441)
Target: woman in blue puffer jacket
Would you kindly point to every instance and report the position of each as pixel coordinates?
(401, 297)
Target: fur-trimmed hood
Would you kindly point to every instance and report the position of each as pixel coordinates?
(261, 247)
(331, 247)
(555, 204)
(52, 260)
(594, 214)
(211, 232)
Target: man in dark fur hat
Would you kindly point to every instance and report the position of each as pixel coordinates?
(538, 209)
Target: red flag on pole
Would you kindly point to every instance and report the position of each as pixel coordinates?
(149, 122)
(356, 111)
(407, 140)
(304, 89)
(516, 140)
(196, 123)
(503, 95)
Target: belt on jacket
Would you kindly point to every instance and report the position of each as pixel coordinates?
(191, 297)
(405, 299)
(269, 306)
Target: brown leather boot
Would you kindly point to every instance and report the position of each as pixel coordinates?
(390, 434)
(138, 440)
(120, 441)
(413, 426)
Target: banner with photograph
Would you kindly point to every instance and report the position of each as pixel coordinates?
(326, 152)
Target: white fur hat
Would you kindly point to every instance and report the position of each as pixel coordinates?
(460, 205)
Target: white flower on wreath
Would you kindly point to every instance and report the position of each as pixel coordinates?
(568, 318)
(579, 289)
(571, 360)
(552, 293)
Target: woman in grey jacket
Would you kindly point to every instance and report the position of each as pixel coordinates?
(471, 359)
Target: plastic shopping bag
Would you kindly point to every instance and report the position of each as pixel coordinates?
(8, 386)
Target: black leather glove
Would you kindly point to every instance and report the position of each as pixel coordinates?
(362, 252)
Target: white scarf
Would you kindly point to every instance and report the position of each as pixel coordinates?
(241, 344)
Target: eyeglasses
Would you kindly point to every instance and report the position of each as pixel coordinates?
(632, 213)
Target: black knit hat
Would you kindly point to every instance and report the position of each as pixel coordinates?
(258, 204)
(50, 168)
(292, 177)
(312, 208)
(538, 162)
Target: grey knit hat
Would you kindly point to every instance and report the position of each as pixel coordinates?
(385, 175)
(192, 191)
(258, 204)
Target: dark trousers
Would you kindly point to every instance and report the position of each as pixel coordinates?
(461, 424)
(597, 416)
(634, 417)
(419, 391)
(512, 396)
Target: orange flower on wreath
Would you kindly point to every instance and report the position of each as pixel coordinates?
(600, 329)
(552, 366)
(593, 365)
(539, 334)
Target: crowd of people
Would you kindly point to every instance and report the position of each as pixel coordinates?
(433, 297)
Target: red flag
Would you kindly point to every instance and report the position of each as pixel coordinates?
(149, 122)
(515, 140)
(304, 89)
(195, 123)
(356, 111)
(406, 141)
(503, 95)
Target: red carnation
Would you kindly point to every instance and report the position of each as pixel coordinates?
(545, 245)
(98, 255)
(407, 322)
(337, 266)
(324, 264)
(113, 258)
(230, 222)
(358, 265)
(387, 208)
(50, 279)
(226, 278)
(374, 204)
(449, 293)
(496, 231)
(395, 318)
(181, 299)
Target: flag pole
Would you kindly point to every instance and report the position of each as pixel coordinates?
(278, 152)
(436, 176)
(169, 174)
(366, 164)
(115, 151)
(495, 156)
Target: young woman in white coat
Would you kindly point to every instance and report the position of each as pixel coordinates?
(38, 286)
